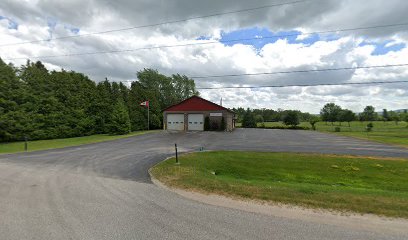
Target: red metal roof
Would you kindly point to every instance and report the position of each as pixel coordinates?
(196, 103)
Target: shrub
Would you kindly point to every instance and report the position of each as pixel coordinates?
(214, 126)
(285, 127)
(291, 118)
(337, 129)
(313, 120)
(369, 127)
(223, 124)
(120, 123)
(248, 121)
(207, 124)
(259, 118)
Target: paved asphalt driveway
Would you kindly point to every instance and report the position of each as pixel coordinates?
(102, 191)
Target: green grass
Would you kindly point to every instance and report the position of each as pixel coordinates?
(60, 143)
(342, 183)
(385, 132)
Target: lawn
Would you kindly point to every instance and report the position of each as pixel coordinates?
(341, 183)
(60, 143)
(385, 132)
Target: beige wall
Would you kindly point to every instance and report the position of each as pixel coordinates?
(228, 117)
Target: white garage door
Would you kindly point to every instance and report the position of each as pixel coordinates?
(196, 122)
(175, 122)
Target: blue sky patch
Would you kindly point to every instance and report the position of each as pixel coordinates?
(381, 48)
(246, 36)
(73, 30)
(52, 23)
(11, 24)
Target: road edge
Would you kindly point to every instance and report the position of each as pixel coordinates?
(79, 145)
(362, 222)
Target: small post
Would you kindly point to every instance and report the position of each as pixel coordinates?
(175, 146)
(25, 143)
(148, 112)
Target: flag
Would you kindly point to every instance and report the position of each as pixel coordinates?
(145, 103)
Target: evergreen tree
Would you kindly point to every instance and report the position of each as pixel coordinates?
(40, 104)
(120, 122)
(248, 120)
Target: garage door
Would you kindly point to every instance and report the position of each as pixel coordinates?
(196, 122)
(175, 122)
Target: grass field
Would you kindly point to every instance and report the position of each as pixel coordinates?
(60, 143)
(342, 183)
(385, 132)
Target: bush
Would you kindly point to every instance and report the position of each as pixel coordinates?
(248, 121)
(120, 120)
(291, 118)
(207, 124)
(313, 120)
(223, 124)
(369, 127)
(259, 118)
(285, 127)
(337, 129)
(214, 126)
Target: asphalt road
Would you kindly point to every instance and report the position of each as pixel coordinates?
(103, 191)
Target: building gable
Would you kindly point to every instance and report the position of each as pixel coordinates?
(196, 103)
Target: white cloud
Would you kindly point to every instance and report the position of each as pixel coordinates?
(218, 59)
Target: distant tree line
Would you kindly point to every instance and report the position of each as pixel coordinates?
(334, 113)
(43, 104)
(251, 118)
(268, 115)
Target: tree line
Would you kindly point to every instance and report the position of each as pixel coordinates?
(42, 104)
(329, 113)
(334, 113)
(268, 115)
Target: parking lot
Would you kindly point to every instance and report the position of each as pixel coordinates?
(103, 190)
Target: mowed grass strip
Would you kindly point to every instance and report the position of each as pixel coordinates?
(341, 183)
(384, 132)
(64, 142)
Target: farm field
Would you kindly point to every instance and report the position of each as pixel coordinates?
(342, 183)
(36, 145)
(385, 132)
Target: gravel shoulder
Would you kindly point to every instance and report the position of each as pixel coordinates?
(366, 222)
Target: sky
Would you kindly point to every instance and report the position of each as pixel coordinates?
(214, 53)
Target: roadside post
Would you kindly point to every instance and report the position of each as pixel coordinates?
(25, 143)
(175, 146)
(148, 113)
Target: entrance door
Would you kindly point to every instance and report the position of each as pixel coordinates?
(196, 122)
(175, 122)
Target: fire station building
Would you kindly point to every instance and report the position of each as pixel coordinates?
(190, 115)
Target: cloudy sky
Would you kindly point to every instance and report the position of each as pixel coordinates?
(34, 20)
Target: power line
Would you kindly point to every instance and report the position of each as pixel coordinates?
(160, 23)
(304, 85)
(211, 42)
(302, 71)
